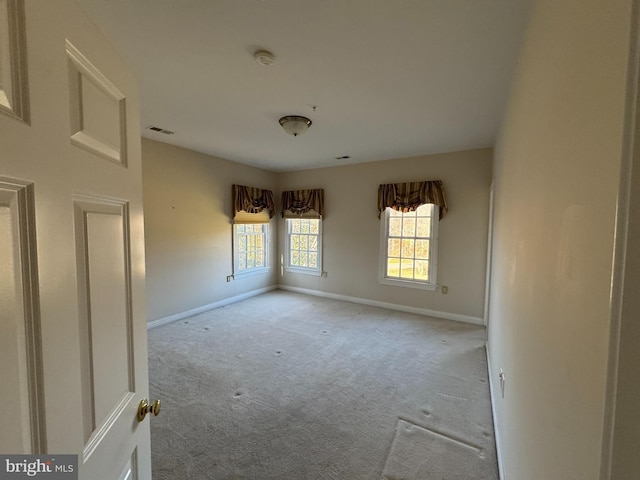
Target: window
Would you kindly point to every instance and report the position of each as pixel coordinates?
(409, 247)
(304, 245)
(250, 247)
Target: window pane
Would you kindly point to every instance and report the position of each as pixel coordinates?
(422, 270)
(395, 226)
(313, 260)
(295, 258)
(251, 259)
(242, 243)
(424, 227)
(393, 267)
(295, 225)
(240, 228)
(304, 242)
(313, 244)
(393, 247)
(314, 226)
(425, 210)
(304, 226)
(407, 268)
(409, 227)
(304, 259)
(259, 259)
(295, 242)
(242, 261)
(407, 247)
(422, 249)
(259, 243)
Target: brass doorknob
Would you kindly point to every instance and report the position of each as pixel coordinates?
(145, 407)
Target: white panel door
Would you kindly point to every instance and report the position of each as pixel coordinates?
(73, 355)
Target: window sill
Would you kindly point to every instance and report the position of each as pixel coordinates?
(251, 273)
(409, 284)
(303, 271)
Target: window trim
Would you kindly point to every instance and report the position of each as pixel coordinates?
(317, 272)
(236, 251)
(433, 255)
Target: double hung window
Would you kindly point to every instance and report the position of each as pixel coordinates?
(304, 245)
(253, 209)
(409, 243)
(250, 247)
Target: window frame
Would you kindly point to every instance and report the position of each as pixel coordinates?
(248, 272)
(317, 271)
(431, 284)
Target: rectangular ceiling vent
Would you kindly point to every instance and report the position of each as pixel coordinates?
(161, 130)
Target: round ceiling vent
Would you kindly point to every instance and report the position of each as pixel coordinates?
(264, 57)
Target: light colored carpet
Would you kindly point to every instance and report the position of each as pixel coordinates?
(287, 386)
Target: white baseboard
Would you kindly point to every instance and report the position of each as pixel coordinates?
(391, 306)
(495, 418)
(206, 308)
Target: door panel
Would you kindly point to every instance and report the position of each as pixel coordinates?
(19, 323)
(81, 161)
(106, 338)
(97, 109)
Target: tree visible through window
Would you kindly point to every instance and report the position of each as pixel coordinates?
(304, 244)
(409, 245)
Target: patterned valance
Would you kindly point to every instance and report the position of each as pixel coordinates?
(252, 205)
(407, 197)
(303, 203)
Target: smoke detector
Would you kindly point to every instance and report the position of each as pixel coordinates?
(264, 58)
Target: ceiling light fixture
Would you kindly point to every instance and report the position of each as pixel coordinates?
(295, 125)
(264, 58)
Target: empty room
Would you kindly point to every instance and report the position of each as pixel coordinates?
(355, 239)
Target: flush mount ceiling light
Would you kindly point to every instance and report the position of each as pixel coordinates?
(264, 58)
(295, 125)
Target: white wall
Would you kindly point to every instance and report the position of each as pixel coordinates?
(188, 209)
(556, 170)
(351, 229)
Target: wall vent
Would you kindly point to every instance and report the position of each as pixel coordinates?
(161, 130)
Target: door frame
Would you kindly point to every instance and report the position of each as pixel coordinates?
(623, 390)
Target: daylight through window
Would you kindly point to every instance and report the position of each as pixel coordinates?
(409, 245)
(304, 245)
(250, 247)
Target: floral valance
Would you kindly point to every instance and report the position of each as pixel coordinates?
(303, 203)
(407, 197)
(252, 205)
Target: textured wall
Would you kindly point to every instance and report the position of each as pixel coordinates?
(556, 173)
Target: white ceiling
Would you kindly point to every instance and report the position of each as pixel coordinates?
(389, 78)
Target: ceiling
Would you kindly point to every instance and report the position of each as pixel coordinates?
(379, 79)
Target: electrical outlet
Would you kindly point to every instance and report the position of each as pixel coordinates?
(445, 289)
